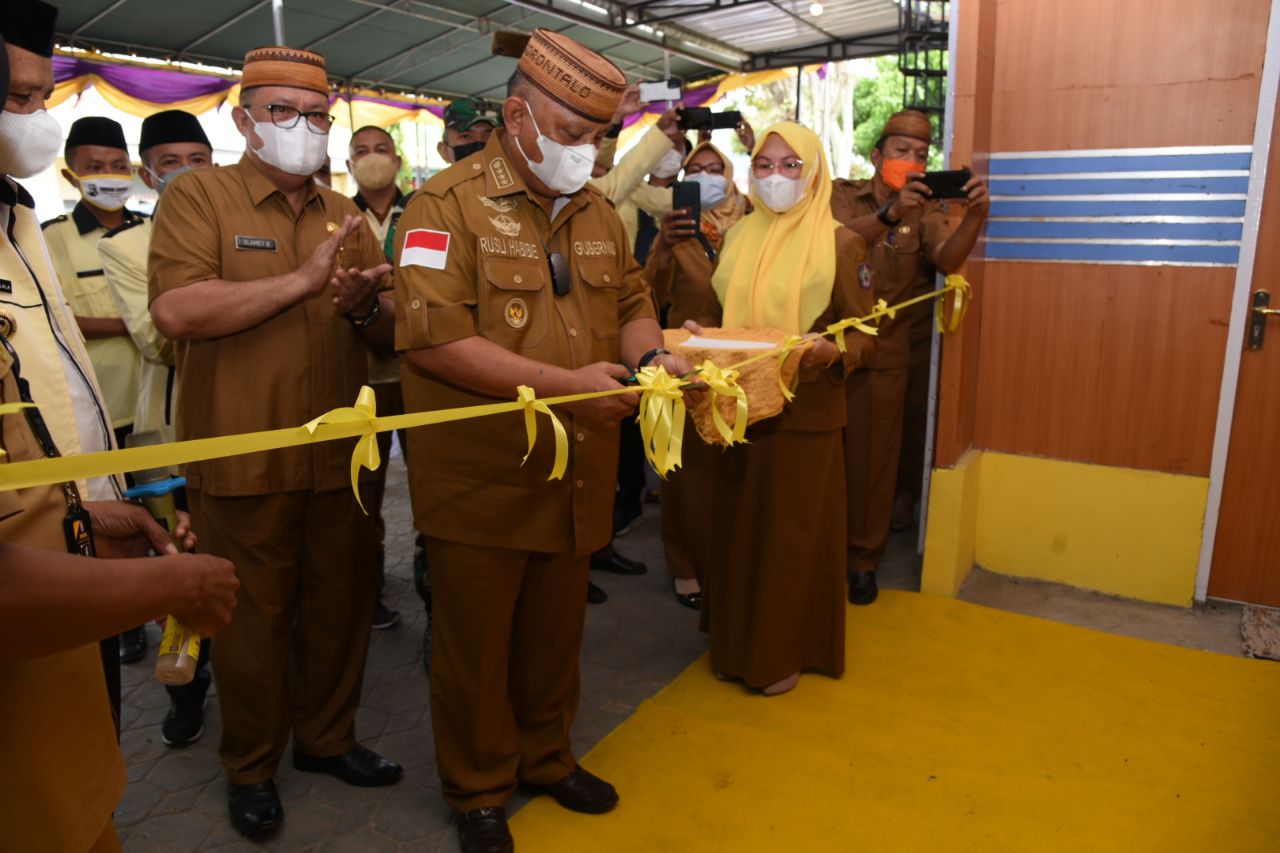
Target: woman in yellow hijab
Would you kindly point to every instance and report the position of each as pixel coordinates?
(679, 268)
(773, 595)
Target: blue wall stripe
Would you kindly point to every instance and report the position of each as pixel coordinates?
(1097, 186)
(1119, 230)
(1105, 252)
(1065, 207)
(1125, 163)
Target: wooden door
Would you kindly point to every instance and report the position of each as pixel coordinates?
(1246, 553)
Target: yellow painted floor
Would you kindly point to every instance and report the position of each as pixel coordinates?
(956, 727)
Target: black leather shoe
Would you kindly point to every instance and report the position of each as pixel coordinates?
(691, 600)
(360, 766)
(580, 791)
(596, 595)
(255, 809)
(485, 831)
(133, 645)
(611, 561)
(862, 587)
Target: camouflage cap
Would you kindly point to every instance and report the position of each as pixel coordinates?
(462, 113)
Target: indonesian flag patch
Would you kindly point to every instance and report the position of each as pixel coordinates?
(425, 248)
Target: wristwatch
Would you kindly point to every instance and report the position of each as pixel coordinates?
(365, 319)
(650, 356)
(883, 215)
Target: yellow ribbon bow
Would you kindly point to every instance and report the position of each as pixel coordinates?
(837, 329)
(9, 409)
(784, 350)
(661, 417)
(532, 405)
(724, 382)
(959, 308)
(366, 453)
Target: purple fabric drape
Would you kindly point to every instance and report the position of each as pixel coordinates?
(156, 85)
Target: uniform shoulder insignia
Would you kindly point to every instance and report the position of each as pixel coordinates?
(54, 221)
(125, 227)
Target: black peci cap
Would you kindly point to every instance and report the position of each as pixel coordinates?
(96, 130)
(171, 126)
(29, 24)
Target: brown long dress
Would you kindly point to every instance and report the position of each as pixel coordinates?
(683, 286)
(774, 592)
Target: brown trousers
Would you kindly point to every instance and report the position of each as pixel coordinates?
(390, 401)
(506, 638)
(687, 513)
(293, 656)
(873, 444)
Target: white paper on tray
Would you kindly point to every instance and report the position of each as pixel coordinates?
(696, 342)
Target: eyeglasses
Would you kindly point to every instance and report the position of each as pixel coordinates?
(789, 166)
(561, 276)
(698, 168)
(283, 115)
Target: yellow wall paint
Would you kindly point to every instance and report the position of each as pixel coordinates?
(1115, 530)
(953, 525)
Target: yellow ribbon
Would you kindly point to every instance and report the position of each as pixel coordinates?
(837, 330)
(724, 382)
(9, 409)
(661, 418)
(364, 413)
(784, 350)
(532, 405)
(958, 309)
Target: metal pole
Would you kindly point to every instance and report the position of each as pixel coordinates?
(799, 72)
(277, 17)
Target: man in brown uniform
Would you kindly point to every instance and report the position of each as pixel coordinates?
(904, 229)
(510, 272)
(269, 336)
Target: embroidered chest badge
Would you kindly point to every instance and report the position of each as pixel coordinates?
(502, 205)
(864, 276)
(506, 226)
(516, 313)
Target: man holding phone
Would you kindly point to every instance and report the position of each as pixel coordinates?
(900, 217)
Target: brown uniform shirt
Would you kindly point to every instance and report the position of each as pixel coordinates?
(895, 265)
(494, 280)
(684, 282)
(233, 224)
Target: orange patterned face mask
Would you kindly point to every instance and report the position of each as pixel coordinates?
(894, 172)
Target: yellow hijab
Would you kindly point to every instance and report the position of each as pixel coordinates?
(717, 221)
(777, 269)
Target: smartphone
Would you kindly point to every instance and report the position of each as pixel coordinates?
(661, 90)
(702, 118)
(727, 120)
(948, 184)
(688, 195)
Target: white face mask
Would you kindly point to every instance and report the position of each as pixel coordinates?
(164, 180)
(779, 193)
(668, 166)
(29, 143)
(711, 188)
(564, 168)
(296, 150)
(107, 192)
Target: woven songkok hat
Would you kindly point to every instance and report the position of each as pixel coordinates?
(912, 123)
(284, 66)
(573, 76)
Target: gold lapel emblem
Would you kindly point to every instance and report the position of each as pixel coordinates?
(517, 313)
(905, 229)
(8, 325)
(501, 174)
(506, 226)
(502, 205)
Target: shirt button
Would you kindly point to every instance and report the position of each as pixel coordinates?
(475, 166)
(415, 304)
(573, 333)
(606, 279)
(579, 484)
(517, 279)
(582, 436)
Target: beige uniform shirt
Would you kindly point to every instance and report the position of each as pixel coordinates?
(493, 279)
(233, 224)
(382, 368)
(35, 317)
(123, 253)
(73, 245)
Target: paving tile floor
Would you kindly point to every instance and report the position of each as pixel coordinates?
(634, 645)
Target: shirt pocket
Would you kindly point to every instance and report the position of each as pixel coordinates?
(90, 297)
(513, 313)
(601, 283)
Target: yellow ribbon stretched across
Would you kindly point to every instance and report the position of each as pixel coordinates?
(962, 289)
(837, 330)
(532, 405)
(12, 408)
(661, 418)
(724, 382)
(784, 350)
(364, 413)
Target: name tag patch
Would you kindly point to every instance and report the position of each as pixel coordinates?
(425, 248)
(6, 286)
(257, 244)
